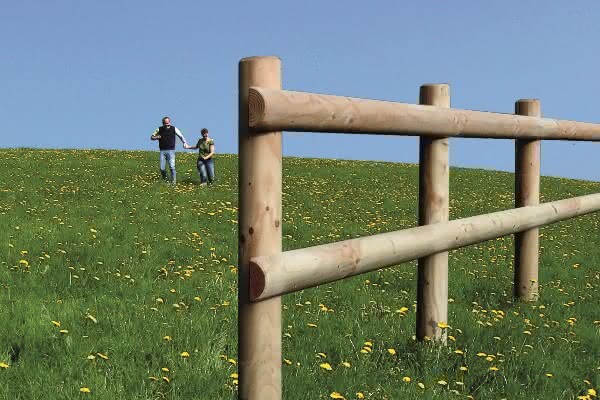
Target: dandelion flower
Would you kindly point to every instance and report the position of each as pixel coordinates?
(346, 364)
(184, 354)
(360, 395)
(421, 385)
(85, 390)
(64, 331)
(4, 365)
(493, 369)
(392, 351)
(326, 366)
(443, 325)
(56, 323)
(102, 356)
(406, 379)
(336, 395)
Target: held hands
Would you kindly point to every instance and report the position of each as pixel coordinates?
(155, 137)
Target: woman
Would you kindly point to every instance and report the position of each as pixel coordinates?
(205, 164)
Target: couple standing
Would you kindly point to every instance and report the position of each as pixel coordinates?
(166, 135)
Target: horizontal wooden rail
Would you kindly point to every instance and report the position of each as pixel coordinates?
(295, 270)
(282, 110)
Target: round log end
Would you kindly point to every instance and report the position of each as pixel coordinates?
(255, 58)
(257, 281)
(256, 107)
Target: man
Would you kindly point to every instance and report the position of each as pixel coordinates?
(166, 143)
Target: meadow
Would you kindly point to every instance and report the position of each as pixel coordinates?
(115, 285)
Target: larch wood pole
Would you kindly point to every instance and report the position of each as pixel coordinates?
(432, 284)
(260, 186)
(527, 193)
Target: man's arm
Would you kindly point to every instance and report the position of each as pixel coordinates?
(180, 136)
(155, 135)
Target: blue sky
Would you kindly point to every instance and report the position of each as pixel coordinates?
(83, 74)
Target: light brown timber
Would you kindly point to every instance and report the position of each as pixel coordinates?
(260, 186)
(295, 270)
(527, 193)
(432, 282)
(272, 109)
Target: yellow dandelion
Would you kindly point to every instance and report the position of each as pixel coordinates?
(234, 375)
(493, 369)
(184, 354)
(360, 395)
(442, 382)
(336, 395)
(443, 325)
(91, 357)
(392, 351)
(463, 368)
(85, 390)
(592, 392)
(288, 362)
(166, 379)
(421, 385)
(346, 364)
(326, 366)
(406, 379)
(322, 355)
(458, 351)
(167, 338)
(102, 356)
(165, 369)
(310, 325)
(4, 365)
(64, 331)
(153, 378)
(56, 323)
(231, 361)
(549, 374)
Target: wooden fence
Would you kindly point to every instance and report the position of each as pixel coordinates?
(266, 273)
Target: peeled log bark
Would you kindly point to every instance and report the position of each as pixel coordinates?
(274, 110)
(295, 270)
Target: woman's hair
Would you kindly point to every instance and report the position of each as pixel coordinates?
(204, 130)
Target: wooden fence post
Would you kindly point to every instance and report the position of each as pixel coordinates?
(260, 186)
(432, 285)
(527, 193)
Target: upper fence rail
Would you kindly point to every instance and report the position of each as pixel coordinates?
(283, 110)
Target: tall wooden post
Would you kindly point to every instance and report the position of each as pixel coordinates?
(260, 186)
(432, 285)
(527, 193)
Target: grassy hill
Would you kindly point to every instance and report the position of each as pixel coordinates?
(113, 281)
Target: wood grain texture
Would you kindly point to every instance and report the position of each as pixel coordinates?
(272, 109)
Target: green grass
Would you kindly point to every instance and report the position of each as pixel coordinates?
(92, 239)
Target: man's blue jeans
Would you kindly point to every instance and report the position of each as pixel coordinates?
(168, 156)
(206, 169)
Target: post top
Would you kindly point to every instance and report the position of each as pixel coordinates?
(528, 101)
(254, 58)
(434, 84)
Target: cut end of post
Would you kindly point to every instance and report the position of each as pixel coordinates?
(256, 107)
(253, 58)
(257, 281)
